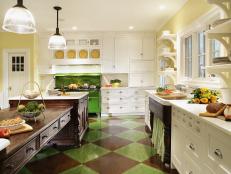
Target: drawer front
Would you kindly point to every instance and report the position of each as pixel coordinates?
(115, 92)
(191, 166)
(138, 100)
(54, 128)
(219, 152)
(44, 136)
(65, 119)
(115, 100)
(138, 108)
(10, 165)
(115, 109)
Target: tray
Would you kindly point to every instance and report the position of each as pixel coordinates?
(173, 96)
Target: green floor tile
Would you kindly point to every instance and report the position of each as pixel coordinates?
(131, 124)
(86, 153)
(24, 170)
(97, 125)
(94, 135)
(132, 135)
(136, 151)
(143, 169)
(79, 170)
(46, 152)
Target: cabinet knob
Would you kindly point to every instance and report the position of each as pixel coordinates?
(28, 150)
(190, 124)
(141, 54)
(44, 137)
(108, 99)
(108, 107)
(218, 153)
(121, 107)
(121, 92)
(121, 98)
(191, 146)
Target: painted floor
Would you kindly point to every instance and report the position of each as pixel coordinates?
(114, 145)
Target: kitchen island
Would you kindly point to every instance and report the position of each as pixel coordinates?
(24, 146)
(74, 131)
(199, 145)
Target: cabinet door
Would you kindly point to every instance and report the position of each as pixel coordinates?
(147, 79)
(142, 66)
(148, 48)
(135, 46)
(108, 66)
(135, 80)
(121, 55)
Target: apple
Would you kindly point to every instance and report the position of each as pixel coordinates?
(4, 133)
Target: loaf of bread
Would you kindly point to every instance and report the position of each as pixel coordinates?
(214, 107)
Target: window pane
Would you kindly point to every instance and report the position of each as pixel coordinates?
(188, 56)
(216, 48)
(201, 54)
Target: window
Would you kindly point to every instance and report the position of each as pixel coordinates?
(188, 56)
(201, 54)
(215, 49)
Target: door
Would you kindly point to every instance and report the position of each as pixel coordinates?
(121, 55)
(17, 73)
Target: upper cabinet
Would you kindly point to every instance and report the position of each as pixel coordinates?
(122, 55)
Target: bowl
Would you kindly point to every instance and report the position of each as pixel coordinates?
(29, 115)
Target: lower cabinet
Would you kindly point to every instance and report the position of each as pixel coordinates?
(123, 101)
(197, 147)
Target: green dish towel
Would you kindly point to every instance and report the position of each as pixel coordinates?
(158, 137)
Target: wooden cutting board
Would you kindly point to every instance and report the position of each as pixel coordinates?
(173, 96)
(207, 114)
(24, 128)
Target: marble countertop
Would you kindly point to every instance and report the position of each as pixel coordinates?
(71, 96)
(194, 109)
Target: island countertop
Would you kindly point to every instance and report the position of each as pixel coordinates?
(195, 110)
(69, 96)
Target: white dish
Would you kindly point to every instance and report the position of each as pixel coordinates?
(4, 143)
(15, 126)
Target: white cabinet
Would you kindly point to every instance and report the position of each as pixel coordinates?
(141, 79)
(142, 66)
(148, 48)
(198, 147)
(121, 55)
(136, 49)
(123, 101)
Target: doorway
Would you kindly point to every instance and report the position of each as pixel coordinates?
(16, 73)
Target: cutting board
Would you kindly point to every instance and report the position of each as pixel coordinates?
(173, 96)
(24, 128)
(208, 114)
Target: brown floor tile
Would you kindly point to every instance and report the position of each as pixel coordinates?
(155, 162)
(113, 130)
(52, 165)
(112, 143)
(111, 164)
(141, 128)
(146, 141)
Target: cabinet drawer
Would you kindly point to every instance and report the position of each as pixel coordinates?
(191, 166)
(219, 152)
(44, 136)
(138, 108)
(9, 165)
(115, 92)
(115, 100)
(54, 128)
(65, 119)
(138, 100)
(115, 109)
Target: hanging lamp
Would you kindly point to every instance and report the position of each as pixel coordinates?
(57, 41)
(19, 19)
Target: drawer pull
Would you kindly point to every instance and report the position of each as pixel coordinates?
(190, 124)
(108, 92)
(218, 153)
(44, 137)
(108, 107)
(30, 149)
(121, 107)
(121, 92)
(55, 127)
(63, 121)
(121, 98)
(108, 99)
(183, 120)
(190, 172)
(198, 130)
(191, 146)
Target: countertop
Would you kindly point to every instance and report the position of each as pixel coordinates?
(194, 109)
(124, 87)
(76, 95)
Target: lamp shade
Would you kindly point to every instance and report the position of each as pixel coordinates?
(57, 42)
(19, 20)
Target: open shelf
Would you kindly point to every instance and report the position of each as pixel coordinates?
(76, 62)
(168, 54)
(221, 28)
(223, 4)
(169, 37)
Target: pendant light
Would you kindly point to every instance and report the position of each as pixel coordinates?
(57, 41)
(19, 19)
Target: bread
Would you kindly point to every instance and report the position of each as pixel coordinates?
(214, 107)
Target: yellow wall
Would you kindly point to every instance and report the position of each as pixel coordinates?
(16, 41)
(186, 15)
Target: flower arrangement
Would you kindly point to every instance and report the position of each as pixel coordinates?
(204, 96)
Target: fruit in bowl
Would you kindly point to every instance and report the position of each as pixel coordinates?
(204, 96)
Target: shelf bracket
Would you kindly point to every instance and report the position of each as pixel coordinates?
(224, 38)
(225, 5)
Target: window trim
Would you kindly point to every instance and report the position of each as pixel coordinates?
(193, 30)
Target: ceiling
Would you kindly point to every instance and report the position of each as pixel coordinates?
(99, 15)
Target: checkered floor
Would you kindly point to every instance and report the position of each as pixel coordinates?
(114, 145)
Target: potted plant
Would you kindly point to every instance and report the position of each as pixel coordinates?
(115, 83)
